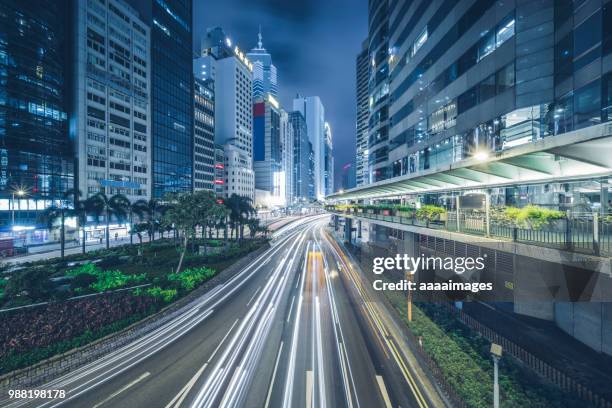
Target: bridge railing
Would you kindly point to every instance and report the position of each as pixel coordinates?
(588, 233)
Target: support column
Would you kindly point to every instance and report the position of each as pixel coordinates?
(604, 197)
(358, 228)
(348, 226)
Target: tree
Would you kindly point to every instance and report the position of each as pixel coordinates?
(117, 205)
(254, 226)
(81, 209)
(138, 208)
(59, 213)
(240, 209)
(183, 215)
(155, 212)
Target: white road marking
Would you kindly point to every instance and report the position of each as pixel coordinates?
(309, 390)
(383, 391)
(280, 350)
(221, 342)
(119, 391)
(253, 297)
(290, 308)
(185, 390)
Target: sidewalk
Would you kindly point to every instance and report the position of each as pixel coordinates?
(549, 343)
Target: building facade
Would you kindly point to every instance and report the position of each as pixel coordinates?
(314, 113)
(110, 113)
(459, 93)
(204, 133)
(348, 176)
(239, 174)
(301, 157)
(267, 149)
(36, 155)
(171, 94)
(232, 73)
(287, 155)
(328, 160)
(363, 115)
(265, 80)
(378, 88)
(219, 181)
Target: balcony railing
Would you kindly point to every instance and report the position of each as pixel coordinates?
(583, 233)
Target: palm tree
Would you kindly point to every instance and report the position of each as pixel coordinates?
(254, 226)
(155, 211)
(138, 208)
(61, 212)
(117, 205)
(239, 210)
(82, 208)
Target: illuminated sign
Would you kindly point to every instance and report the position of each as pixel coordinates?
(243, 58)
(273, 101)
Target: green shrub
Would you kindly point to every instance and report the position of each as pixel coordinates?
(430, 212)
(530, 216)
(167, 295)
(190, 278)
(105, 280)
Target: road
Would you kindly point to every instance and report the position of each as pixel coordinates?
(296, 327)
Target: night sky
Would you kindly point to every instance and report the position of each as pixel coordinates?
(313, 44)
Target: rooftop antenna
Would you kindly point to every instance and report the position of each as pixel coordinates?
(259, 43)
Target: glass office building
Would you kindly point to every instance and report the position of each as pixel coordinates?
(172, 95)
(36, 155)
(378, 85)
(475, 77)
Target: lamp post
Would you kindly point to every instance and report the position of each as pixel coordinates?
(496, 353)
(20, 193)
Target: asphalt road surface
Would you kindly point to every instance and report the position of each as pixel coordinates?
(295, 328)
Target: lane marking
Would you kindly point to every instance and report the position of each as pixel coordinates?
(280, 350)
(383, 391)
(185, 390)
(290, 308)
(221, 342)
(124, 388)
(253, 297)
(309, 390)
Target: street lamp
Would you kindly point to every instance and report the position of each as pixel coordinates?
(496, 353)
(20, 192)
(481, 155)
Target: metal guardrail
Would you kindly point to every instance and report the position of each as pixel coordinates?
(584, 233)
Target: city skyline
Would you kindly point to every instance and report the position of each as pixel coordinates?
(312, 55)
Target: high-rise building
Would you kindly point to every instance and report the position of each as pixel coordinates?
(110, 117)
(171, 93)
(301, 156)
(204, 132)
(314, 113)
(232, 73)
(36, 155)
(264, 71)
(267, 150)
(363, 115)
(287, 155)
(378, 121)
(219, 181)
(348, 176)
(239, 175)
(328, 169)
